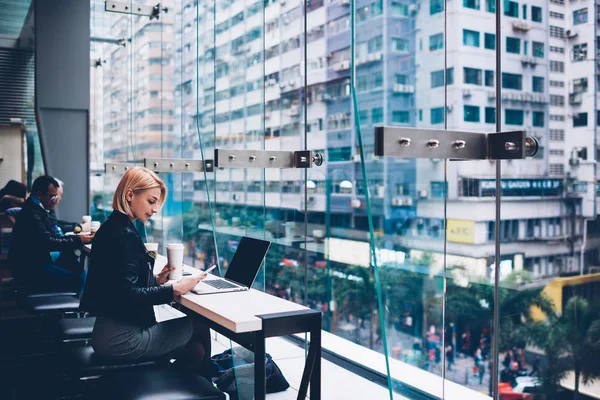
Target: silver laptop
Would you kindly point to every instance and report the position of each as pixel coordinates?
(242, 270)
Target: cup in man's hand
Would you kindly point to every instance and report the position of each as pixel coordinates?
(175, 259)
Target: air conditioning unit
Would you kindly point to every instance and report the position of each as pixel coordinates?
(423, 194)
(355, 203)
(466, 93)
(570, 34)
(397, 201)
(282, 2)
(413, 8)
(292, 83)
(345, 2)
(521, 26)
(491, 95)
(282, 85)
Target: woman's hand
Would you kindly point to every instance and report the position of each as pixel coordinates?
(163, 276)
(187, 284)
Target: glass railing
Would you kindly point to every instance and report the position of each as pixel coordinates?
(399, 255)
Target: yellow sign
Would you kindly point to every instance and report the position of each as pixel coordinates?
(460, 231)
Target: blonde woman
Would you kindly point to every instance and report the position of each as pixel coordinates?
(121, 288)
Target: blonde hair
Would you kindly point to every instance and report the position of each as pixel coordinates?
(137, 179)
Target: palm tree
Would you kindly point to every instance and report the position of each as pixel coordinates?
(570, 342)
(581, 327)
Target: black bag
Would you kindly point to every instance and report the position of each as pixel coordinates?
(240, 380)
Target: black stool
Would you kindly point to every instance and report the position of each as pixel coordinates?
(165, 384)
(84, 363)
(46, 303)
(74, 329)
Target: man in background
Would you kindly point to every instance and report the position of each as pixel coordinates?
(34, 238)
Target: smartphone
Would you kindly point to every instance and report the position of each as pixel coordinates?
(208, 270)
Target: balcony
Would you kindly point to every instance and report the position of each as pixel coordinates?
(401, 88)
(369, 58)
(341, 66)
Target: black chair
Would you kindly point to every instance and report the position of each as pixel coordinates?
(50, 303)
(74, 329)
(83, 363)
(165, 384)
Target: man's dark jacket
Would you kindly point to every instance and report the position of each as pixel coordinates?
(121, 283)
(32, 241)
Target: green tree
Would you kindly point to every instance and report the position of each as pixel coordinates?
(570, 341)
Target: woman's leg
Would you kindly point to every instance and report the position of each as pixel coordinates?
(196, 354)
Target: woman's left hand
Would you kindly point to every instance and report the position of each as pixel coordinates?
(163, 276)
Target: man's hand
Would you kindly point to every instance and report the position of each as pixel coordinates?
(87, 238)
(163, 276)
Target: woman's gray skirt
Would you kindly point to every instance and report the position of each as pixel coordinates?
(112, 338)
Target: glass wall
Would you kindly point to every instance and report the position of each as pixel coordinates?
(400, 255)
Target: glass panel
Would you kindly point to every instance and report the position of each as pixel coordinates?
(548, 208)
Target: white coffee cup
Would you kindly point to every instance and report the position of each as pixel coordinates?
(175, 259)
(152, 248)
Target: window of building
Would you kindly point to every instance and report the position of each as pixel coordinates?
(490, 115)
(377, 115)
(470, 38)
(557, 100)
(555, 49)
(557, 32)
(557, 84)
(489, 40)
(524, 11)
(580, 52)
(580, 85)
(557, 169)
(511, 8)
(537, 84)
(513, 45)
(474, 4)
(556, 152)
(557, 66)
(580, 16)
(375, 44)
(401, 79)
(557, 135)
(398, 117)
(471, 113)
(437, 78)
(536, 14)
(436, 42)
(537, 49)
(450, 76)
(400, 44)
(512, 81)
(580, 119)
(513, 117)
(490, 6)
(472, 76)
(538, 119)
(436, 6)
(362, 83)
(401, 10)
(557, 117)
(377, 79)
(557, 15)
(437, 115)
(525, 43)
(489, 78)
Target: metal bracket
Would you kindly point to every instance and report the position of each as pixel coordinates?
(120, 166)
(226, 158)
(178, 165)
(459, 145)
(134, 9)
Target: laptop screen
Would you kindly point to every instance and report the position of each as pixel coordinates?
(247, 260)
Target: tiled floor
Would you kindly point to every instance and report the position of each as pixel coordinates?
(337, 382)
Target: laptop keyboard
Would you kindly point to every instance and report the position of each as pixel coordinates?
(220, 284)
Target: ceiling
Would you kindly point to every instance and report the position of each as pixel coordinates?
(12, 17)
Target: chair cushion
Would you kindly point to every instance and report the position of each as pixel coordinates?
(51, 294)
(166, 383)
(50, 304)
(75, 328)
(83, 361)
